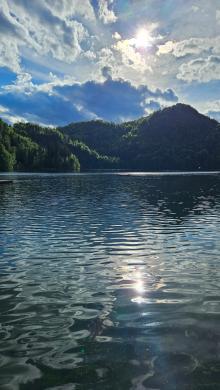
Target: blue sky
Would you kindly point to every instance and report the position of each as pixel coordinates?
(70, 60)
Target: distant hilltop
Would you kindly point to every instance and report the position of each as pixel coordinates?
(175, 138)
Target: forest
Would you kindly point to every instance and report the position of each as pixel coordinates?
(30, 147)
(174, 138)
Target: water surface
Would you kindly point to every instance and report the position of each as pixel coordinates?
(110, 281)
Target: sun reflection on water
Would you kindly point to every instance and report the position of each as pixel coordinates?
(141, 282)
(139, 300)
(139, 286)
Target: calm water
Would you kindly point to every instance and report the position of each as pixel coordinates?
(110, 282)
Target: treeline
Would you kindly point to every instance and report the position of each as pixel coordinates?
(175, 138)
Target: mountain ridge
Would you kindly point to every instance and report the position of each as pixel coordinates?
(177, 106)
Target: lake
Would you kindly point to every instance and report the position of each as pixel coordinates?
(110, 281)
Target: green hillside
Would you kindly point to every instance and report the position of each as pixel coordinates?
(29, 147)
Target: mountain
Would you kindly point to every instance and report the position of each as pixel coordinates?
(175, 138)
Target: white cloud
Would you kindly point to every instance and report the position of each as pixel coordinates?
(106, 14)
(218, 16)
(201, 70)
(91, 55)
(213, 106)
(3, 109)
(9, 54)
(68, 8)
(195, 8)
(48, 31)
(9, 117)
(203, 64)
(24, 84)
(166, 48)
(116, 36)
(192, 46)
(130, 56)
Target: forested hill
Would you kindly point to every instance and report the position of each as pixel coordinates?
(175, 138)
(29, 147)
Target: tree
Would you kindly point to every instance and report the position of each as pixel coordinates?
(7, 160)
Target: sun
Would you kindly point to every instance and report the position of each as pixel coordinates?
(143, 38)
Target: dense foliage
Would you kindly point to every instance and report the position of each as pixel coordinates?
(30, 147)
(175, 138)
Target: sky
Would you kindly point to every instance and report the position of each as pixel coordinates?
(64, 61)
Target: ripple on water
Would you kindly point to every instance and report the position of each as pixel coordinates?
(115, 284)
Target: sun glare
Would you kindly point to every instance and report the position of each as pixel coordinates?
(143, 39)
(139, 286)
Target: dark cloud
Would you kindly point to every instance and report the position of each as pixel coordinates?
(112, 100)
(152, 105)
(168, 95)
(41, 108)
